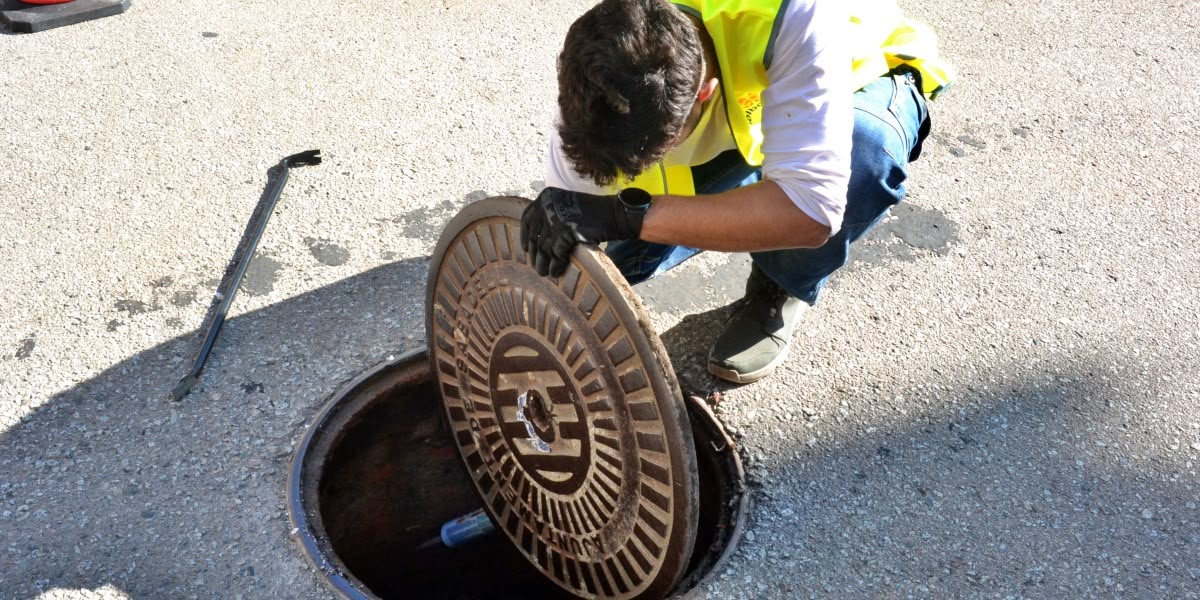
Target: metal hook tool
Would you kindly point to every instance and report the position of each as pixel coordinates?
(241, 259)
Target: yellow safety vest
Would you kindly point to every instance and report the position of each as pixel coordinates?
(743, 34)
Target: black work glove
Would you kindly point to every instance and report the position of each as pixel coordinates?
(559, 219)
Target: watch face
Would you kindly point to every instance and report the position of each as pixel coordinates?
(564, 408)
(635, 198)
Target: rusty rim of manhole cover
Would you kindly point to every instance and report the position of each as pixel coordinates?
(564, 407)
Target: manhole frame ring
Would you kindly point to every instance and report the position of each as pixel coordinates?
(318, 549)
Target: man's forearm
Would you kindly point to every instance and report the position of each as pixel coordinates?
(747, 219)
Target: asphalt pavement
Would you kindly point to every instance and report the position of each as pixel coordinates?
(1000, 397)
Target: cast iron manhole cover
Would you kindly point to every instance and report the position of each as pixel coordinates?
(564, 408)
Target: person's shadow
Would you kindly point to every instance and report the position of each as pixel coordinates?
(111, 484)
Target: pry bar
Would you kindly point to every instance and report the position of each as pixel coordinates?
(241, 258)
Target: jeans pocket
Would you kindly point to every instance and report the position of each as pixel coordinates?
(909, 108)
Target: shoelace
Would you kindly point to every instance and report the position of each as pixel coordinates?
(773, 297)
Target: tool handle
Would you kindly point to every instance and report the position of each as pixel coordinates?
(466, 528)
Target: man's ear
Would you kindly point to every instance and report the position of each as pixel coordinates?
(707, 90)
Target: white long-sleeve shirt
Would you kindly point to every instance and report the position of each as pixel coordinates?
(807, 118)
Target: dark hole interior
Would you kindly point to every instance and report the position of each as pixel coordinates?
(392, 476)
(541, 416)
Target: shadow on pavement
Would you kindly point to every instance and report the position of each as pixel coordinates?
(111, 483)
(1033, 484)
(1044, 482)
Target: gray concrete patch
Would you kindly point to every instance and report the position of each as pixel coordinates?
(926, 229)
(132, 307)
(902, 236)
(262, 275)
(182, 299)
(426, 224)
(327, 252)
(25, 350)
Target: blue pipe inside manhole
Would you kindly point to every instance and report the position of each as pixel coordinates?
(377, 474)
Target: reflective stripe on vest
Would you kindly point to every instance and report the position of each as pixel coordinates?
(743, 34)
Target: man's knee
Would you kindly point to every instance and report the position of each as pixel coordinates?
(877, 172)
(877, 168)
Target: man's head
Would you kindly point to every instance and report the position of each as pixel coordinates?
(628, 80)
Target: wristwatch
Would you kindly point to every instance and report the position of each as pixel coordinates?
(635, 200)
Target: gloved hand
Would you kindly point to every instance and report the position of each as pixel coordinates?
(559, 219)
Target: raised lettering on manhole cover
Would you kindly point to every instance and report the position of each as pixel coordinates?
(562, 409)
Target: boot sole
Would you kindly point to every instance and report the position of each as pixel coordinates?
(735, 377)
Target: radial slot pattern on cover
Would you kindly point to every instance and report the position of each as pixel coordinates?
(564, 408)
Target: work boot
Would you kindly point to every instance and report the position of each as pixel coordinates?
(757, 335)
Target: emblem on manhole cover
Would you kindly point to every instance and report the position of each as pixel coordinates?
(564, 408)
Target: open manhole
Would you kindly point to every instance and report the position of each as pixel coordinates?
(600, 479)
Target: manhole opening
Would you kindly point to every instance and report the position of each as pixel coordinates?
(378, 474)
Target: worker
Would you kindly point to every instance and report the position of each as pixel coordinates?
(782, 128)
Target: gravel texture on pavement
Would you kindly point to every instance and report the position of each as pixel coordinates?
(999, 397)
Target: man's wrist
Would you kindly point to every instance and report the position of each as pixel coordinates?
(634, 204)
(635, 199)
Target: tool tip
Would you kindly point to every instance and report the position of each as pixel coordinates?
(306, 158)
(183, 387)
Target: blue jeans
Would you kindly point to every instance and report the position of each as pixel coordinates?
(890, 122)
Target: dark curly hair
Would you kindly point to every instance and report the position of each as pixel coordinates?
(627, 79)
